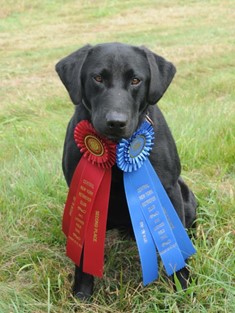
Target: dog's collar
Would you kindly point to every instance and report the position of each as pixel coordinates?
(83, 102)
(148, 119)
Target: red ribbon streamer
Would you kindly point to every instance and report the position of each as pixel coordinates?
(86, 209)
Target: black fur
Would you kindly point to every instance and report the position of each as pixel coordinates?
(114, 86)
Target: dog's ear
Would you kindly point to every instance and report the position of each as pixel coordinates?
(162, 73)
(69, 69)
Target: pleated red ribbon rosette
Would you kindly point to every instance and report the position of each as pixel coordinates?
(86, 208)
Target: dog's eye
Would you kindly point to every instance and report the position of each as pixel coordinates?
(98, 78)
(135, 81)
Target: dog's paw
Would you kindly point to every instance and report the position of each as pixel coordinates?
(181, 279)
(83, 286)
(82, 296)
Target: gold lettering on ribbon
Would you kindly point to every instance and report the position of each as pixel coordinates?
(85, 193)
(85, 197)
(87, 183)
(96, 226)
(72, 205)
(74, 240)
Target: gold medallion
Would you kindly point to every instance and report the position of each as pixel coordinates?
(94, 145)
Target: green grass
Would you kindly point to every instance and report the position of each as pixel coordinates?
(198, 37)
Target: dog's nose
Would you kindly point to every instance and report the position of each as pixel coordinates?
(113, 124)
(116, 121)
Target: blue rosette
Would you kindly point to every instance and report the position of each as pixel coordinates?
(132, 152)
(157, 227)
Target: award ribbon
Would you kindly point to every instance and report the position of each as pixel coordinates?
(86, 208)
(154, 219)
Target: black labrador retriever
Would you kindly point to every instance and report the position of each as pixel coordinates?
(115, 86)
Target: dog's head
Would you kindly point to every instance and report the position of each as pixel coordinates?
(115, 83)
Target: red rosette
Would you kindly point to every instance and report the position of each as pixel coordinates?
(98, 150)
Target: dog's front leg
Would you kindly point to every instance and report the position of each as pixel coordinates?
(176, 198)
(83, 284)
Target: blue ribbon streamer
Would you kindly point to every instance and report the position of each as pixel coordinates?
(154, 219)
(185, 244)
(144, 240)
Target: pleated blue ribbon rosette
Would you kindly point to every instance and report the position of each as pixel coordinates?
(157, 227)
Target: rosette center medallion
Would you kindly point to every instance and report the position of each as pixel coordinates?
(136, 146)
(94, 145)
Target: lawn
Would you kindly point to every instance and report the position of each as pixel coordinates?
(198, 37)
